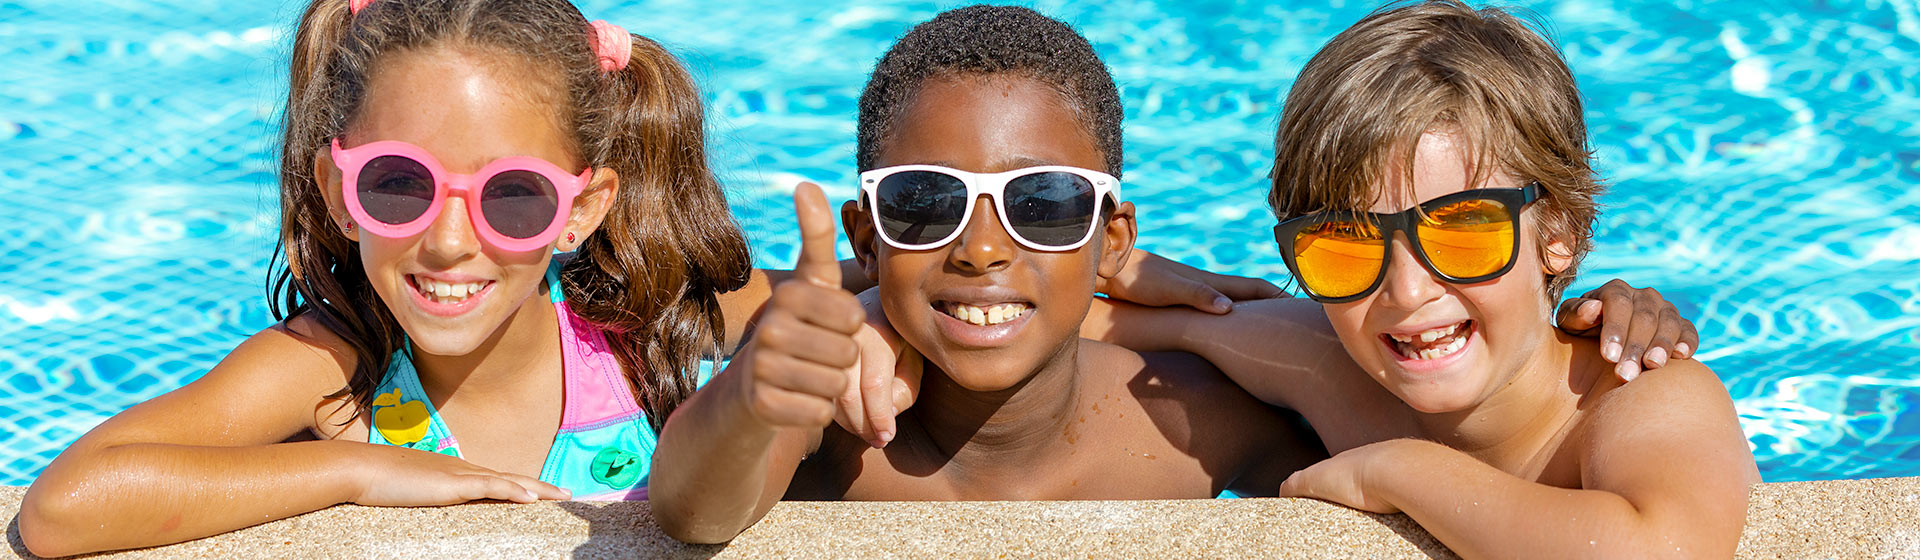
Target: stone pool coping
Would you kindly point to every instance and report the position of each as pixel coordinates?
(1876, 518)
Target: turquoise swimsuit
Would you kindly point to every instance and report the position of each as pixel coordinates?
(604, 448)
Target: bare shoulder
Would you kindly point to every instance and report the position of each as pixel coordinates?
(281, 375)
(1193, 405)
(1683, 388)
(1177, 385)
(268, 389)
(1676, 419)
(299, 351)
(1192, 376)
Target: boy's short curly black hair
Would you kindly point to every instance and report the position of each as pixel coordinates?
(984, 40)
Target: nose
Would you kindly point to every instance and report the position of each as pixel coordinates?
(983, 246)
(1407, 285)
(451, 238)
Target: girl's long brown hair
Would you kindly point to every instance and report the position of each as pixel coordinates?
(649, 276)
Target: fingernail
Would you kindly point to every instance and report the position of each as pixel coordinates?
(1611, 350)
(1682, 350)
(1222, 303)
(1628, 370)
(886, 437)
(1592, 305)
(1658, 356)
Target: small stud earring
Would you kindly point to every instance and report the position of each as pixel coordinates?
(348, 228)
(569, 237)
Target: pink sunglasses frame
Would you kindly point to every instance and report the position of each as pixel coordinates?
(351, 160)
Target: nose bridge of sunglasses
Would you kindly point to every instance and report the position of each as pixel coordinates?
(985, 211)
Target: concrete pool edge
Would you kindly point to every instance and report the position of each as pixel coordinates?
(1874, 518)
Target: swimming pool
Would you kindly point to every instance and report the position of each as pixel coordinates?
(1764, 161)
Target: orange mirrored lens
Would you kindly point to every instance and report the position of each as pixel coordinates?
(1468, 239)
(1338, 259)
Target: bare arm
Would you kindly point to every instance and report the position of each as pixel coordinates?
(721, 465)
(1665, 473)
(727, 455)
(207, 458)
(1282, 351)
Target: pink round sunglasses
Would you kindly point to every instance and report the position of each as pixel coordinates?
(395, 189)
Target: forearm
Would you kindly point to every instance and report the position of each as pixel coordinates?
(1482, 512)
(1279, 350)
(712, 471)
(1141, 328)
(138, 495)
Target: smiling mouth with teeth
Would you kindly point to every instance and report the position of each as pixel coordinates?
(445, 292)
(1431, 344)
(984, 316)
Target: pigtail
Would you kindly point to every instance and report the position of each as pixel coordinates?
(319, 270)
(651, 274)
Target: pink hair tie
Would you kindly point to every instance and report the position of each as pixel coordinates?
(354, 6)
(611, 42)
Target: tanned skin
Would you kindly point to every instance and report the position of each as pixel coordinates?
(194, 462)
(1027, 410)
(1523, 444)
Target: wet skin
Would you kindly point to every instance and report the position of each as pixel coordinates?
(1022, 409)
(1540, 450)
(1027, 409)
(493, 349)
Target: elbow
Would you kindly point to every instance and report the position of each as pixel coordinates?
(1673, 540)
(686, 526)
(50, 522)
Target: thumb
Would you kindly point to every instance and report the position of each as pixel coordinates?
(817, 264)
(1199, 295)
(1579, 315)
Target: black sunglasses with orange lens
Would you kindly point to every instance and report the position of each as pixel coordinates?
(1463, 238)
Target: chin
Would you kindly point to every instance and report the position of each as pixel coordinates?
(1438, 401)
(981, 373)
(447, 343)
(1430, 395)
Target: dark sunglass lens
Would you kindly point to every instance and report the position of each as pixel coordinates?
(519, 204)
(394, 189)
(1054, 208)
(920, 207)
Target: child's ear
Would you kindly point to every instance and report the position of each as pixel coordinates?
(861, 236)
(1117, 240)
(326, 176)
(590, 208)
(1558, 256)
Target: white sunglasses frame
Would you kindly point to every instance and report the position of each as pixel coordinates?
(993, 185)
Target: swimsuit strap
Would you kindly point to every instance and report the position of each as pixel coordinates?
(404, 416)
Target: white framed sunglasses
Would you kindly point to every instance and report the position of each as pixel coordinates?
(1045, 208)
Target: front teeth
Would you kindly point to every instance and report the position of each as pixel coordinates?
(1441, 351)
(1405, 343)
(989, 315)
(446, 292)
(1428, 335)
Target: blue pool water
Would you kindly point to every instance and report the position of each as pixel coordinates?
(1764, 157)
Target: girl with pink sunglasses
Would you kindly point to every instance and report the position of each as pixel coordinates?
(436, 154)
